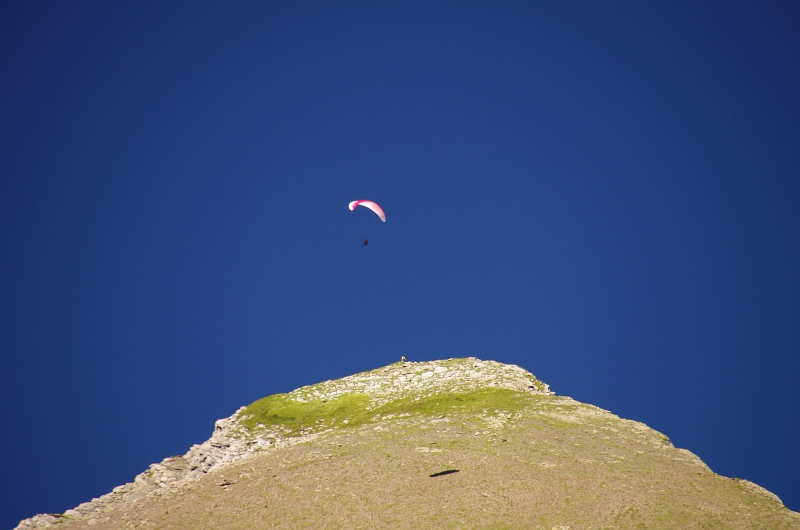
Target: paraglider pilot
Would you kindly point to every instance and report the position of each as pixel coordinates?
(371, 206)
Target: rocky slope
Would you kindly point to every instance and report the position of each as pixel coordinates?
(458, 443)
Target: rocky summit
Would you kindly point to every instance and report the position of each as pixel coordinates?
(457, 443)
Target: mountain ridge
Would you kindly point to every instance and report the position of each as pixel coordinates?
(395, 405)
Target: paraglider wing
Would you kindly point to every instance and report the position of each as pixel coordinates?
(371, 205)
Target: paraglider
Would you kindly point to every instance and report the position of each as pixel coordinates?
(375, 208)
(371, 205)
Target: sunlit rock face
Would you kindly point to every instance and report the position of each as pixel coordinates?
(457, 443)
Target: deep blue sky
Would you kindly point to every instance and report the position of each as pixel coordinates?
(603, 193)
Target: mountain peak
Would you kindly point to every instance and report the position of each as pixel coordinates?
(449, 443)
(399, 380)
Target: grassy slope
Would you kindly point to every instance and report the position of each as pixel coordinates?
(523, 460)
(351, 410)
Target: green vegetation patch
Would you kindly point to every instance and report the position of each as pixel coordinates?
(348, 410)
(280, 410)
(488, 400)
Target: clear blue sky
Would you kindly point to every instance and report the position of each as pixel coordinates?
(603, 193)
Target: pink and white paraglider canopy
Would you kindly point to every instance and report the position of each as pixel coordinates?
(371, 205)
